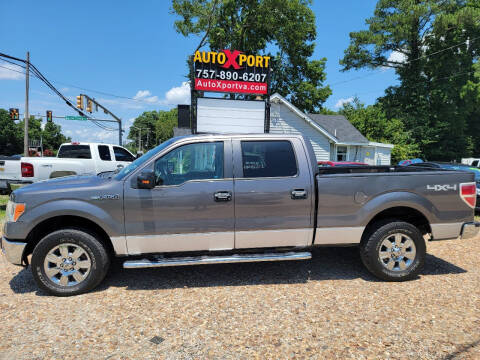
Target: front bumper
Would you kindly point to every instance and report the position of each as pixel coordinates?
(13, 250)
(470, 230)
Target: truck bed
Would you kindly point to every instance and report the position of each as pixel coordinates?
(349, 198)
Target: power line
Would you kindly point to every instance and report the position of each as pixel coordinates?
(455, 75)
(41, 77)
(11, 62)
(89, 90)
(17, 71)
(356, 78)
(409, 61)
(446, 49)
(12, 57)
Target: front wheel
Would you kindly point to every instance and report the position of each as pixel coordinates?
(393, 251)
(69, 262)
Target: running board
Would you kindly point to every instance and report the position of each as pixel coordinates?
(199, 260)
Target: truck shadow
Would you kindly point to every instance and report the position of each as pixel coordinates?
(326, 264)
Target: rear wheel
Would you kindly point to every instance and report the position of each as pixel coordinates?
(69, 262)
(393, 251)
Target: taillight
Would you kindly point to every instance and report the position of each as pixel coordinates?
(27, 170)
(468, 193)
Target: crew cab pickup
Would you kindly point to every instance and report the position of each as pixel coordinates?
(72, 159)
(205, 199)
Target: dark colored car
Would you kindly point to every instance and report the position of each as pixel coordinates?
(340, 163)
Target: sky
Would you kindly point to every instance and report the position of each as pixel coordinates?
(131, 49)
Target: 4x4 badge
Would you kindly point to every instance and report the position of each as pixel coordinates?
(445, 187)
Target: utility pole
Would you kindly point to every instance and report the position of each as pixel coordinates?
(140, 136)
(27, 78)
(140, 140)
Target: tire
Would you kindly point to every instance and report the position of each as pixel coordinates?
(79, 262)
(399, 262)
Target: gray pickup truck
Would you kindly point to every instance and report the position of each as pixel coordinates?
(208, 199)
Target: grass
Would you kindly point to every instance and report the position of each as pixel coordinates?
(3, 205)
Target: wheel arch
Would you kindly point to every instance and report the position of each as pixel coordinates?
(400, 213)
(65, 222)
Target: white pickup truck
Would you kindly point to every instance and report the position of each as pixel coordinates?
(74, 158)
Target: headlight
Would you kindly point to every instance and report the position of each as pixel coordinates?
(14, 211)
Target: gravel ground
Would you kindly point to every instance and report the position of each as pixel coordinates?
(328, 307)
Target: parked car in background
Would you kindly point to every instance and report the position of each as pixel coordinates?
(471, 161)
(72, 159)
(340, 163)
(409, 162)
(454, 166)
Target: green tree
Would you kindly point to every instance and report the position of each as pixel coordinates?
(52, 136)
(373, 123)
(159, 124)
(11, 135)
(428, 43)
(144, 125)
(285, 27)
(167, 120)
(470, 94)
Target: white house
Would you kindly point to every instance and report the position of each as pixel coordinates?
(333, 137)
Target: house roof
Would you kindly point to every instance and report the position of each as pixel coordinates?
(277, 97)
(340, 127)
(335, 127)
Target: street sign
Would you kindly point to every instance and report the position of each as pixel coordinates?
(81, 118)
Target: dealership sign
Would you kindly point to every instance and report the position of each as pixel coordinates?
(231, 71)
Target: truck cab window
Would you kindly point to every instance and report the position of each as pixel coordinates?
(75, 152)
(104, 152)
(198, 161)
(268, 159)
(122, 155)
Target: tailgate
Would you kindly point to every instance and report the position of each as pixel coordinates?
(10, 170)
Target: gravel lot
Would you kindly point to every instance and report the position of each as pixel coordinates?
(329, 307)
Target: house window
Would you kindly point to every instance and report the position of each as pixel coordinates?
(341, 153)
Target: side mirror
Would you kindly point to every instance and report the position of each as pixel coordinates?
(146, 180)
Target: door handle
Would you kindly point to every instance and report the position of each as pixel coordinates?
(222, 196)
(299, 194)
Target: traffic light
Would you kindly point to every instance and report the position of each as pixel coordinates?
(80, 102)
(49, 116)
(14, 114)
(89, 105)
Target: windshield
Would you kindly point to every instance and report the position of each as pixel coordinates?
(143, 159)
